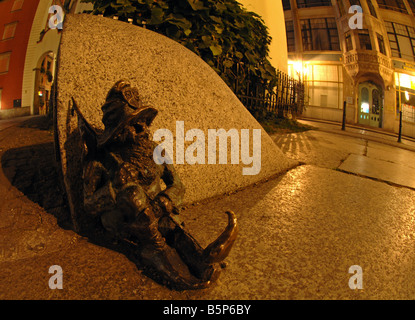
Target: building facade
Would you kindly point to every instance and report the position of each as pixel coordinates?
(28, 49)
(16, 18)
(358, 52)
(272, 13)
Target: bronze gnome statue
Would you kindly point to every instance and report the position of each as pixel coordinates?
(122, 187)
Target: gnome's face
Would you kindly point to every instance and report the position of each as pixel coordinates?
(125, 118)
(132, 133)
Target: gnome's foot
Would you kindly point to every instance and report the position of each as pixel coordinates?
(168, 266)
(219, 249)
(202, 263)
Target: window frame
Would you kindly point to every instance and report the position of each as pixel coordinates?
(307, 34)
(398, 5)
(364, 34)
(310, 4)
(8, 54)
(15, 8)
(372, 9)
(381, 43)
(14, 23)
(348, 41)
(412, 5)
(290, 34)
(286, 5)
(393, 39)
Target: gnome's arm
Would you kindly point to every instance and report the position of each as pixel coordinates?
(99, 195)
(174, 187)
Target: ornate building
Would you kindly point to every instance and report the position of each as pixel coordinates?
(28, 51)
(361, 52)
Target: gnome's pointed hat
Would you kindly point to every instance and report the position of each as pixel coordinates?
(123, 107)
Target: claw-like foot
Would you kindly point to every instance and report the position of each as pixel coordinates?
(181, 261)
(170, 268)
(219, 249)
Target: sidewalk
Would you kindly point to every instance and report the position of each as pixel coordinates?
(4, 124)
(356, 131)
(299, 232)
(370, 154)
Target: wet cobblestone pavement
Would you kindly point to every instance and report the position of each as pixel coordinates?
(299, 232)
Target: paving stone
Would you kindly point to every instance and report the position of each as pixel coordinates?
(379, 169)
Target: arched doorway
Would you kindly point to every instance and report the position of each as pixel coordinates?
(370, 105)
(43, 83)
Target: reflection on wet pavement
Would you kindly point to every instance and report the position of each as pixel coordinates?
(354, 155)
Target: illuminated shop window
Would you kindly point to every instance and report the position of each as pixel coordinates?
(323, 85)
(405, 96)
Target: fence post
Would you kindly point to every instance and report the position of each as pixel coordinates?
(344, 116)
(400, 127)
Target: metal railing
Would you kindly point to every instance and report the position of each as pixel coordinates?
(285, 98)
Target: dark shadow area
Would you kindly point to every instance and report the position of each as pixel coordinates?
(33, 171)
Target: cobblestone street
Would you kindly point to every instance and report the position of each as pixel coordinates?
(299, 232)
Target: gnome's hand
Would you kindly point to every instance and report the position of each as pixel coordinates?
(165, 204)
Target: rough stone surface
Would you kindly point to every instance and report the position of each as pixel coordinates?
(95, 52)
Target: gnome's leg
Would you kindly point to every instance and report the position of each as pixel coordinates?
(188, 248)
(201, 262)
(155, 252)
(159, 256)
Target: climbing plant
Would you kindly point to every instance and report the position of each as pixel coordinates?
(224, 34)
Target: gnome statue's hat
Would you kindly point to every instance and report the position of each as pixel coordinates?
(123, 107)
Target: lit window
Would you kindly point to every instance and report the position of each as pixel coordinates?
(17, 5)
(4, 62)
(9, 30)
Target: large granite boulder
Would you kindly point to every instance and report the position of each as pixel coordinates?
(95, 52)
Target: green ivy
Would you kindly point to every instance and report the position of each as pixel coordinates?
(223, 33)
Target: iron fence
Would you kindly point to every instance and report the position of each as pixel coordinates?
(285, 97)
